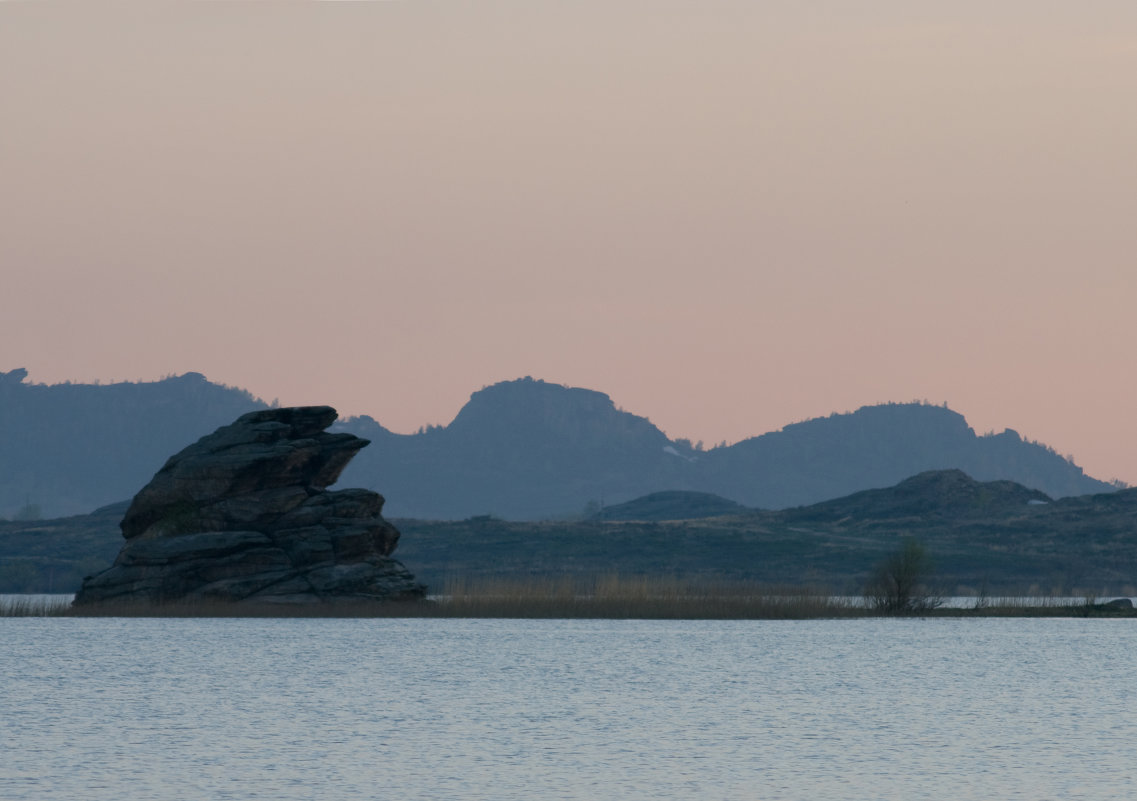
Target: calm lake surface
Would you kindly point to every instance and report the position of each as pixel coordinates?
(97, 709)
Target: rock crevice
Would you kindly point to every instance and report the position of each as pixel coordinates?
(244, 514)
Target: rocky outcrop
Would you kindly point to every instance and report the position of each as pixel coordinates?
(244, 514)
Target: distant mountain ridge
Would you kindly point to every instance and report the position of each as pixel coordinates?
(528, 449)
(524, 449)
(878, 446)
(70, 448)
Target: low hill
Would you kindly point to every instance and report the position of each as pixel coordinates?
(936, 494)
(999, 536)
(671, 505)
(995, 536)
(54, 555)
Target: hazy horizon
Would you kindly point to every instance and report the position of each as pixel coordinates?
(727, 216)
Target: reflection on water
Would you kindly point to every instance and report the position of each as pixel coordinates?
(323, 708)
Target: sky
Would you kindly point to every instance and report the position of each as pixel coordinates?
(727, 215)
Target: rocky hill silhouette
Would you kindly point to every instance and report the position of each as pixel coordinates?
(521, 450)
(878, 446)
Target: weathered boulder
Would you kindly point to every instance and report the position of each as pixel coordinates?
(244, 514)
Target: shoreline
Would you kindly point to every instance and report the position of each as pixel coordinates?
(609, 599)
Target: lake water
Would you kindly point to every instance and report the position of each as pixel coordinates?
(98, 709)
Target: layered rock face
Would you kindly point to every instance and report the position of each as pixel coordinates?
(244, 515)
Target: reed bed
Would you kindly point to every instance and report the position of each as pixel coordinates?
(33, 606)
(639, 597)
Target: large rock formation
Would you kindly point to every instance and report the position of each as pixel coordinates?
(244, 515)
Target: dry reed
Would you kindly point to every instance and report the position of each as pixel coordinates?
(33, 606)
(614, 596)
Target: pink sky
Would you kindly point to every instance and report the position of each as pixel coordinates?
(729, 216)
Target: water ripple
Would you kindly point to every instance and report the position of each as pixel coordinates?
(438, 709)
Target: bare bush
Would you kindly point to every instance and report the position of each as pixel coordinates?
(900, 582)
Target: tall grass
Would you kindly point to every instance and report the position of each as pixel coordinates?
(614, 596)
(33, 606)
